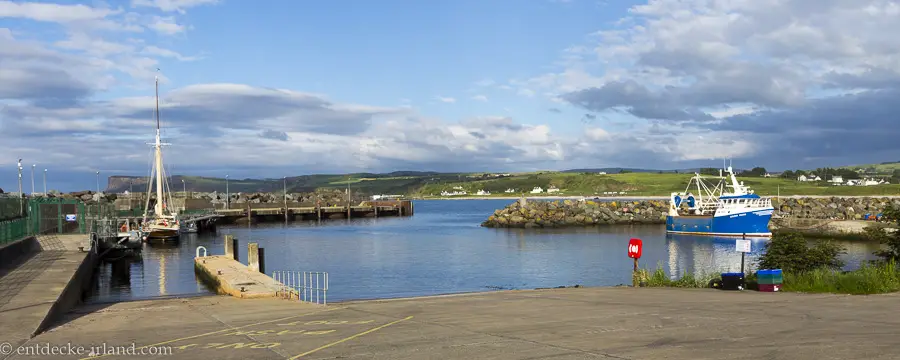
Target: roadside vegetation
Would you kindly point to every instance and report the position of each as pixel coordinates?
(813, 266)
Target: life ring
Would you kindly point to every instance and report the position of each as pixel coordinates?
(123, 228)
(165, 222)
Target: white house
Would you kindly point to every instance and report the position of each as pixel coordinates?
(802, 178)
(510, 191)
(871, 182)
(482, 192)
(837, 179)
(552, 189)
(537, 190)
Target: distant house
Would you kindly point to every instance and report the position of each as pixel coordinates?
(871, 182)
(537, 190)
(482, 192)
(510, 190)
(802, 178)
(837, 179)
(552, 189)
(601, 173)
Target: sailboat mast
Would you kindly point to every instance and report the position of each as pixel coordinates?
(158, 160)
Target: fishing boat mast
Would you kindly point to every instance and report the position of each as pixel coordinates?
(158, 209)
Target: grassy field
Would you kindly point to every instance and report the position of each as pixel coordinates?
(424, 184)
(646, 184)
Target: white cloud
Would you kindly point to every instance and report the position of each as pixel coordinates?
(172, 5)
(691, 80)
(166, 25)
(157, 51)
(57, 13)
(445, 99)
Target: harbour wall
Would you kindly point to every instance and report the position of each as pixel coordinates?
(551, 214)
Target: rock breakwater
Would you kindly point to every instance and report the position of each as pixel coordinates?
(536, 213)
(832, 208)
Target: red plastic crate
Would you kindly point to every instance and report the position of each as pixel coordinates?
(769, 287)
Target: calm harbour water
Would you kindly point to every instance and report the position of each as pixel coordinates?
(441, 249)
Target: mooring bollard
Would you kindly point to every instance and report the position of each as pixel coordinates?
(253, 256)
(262, 260)
(229, 246)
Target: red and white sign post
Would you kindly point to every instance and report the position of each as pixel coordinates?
(635, 247)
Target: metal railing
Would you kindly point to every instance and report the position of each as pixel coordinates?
(308, 286)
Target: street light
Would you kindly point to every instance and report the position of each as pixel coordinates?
(21, 197)
(32, 178)
(20, 177)
(183, 188)
(45, 182)
(285, 199)
(98, 182)
(227, 194)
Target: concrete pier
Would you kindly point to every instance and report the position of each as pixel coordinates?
(294, 211)
(46, 280)
(229, 277)
(582, 323)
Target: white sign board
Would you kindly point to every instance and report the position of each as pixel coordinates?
(742, 245)
(70, 217)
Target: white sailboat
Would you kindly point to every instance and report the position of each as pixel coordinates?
(163, 223)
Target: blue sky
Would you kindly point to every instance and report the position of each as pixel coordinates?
(386, 52)
(275, 88)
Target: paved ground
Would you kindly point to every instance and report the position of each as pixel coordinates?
(584, 323)
(29, 289)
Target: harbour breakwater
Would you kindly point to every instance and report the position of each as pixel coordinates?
(210, 200)
(536, 213)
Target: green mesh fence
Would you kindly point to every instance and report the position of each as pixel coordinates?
(10, 207)
(12, 230)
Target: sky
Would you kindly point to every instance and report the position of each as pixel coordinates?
(265, 89)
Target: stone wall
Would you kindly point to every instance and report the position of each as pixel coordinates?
(537, 213)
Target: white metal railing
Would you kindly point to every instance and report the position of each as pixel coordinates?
(308, 286)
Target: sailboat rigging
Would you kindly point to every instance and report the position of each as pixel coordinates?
(163, 223)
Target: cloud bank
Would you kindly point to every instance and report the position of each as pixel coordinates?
(776, 83)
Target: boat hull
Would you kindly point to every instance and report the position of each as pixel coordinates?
(162, 234)
(751, 223)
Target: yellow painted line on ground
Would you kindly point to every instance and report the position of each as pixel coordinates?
(350, 338)
(223, 330)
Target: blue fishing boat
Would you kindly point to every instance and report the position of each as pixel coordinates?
(719, 208)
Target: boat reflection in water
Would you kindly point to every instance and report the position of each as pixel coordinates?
(701, 255)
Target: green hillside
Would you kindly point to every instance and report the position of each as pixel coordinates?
(431, 184)
(645, 184)
(885, 168)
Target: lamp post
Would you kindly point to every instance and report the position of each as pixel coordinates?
(285, 199)
(98, 182)
(45, 182)
(21, 196)
(227, 194)
(32, 178)
(183, 188)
